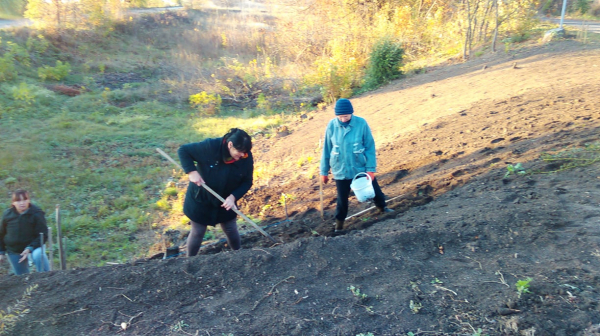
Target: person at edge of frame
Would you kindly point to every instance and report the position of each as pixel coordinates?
(226, 166)
(349, 149)
(20, 235)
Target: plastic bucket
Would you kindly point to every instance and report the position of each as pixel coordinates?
(363, 188)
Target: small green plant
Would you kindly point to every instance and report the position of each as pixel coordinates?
(19, 53)
(357, 294)
(37, 44)
(23, 93)
(207, 103)
(436, 281)
(572, 158)
(515, 169)
(7, 68)
(477, 332)
(367, 334)
(179, 326)
(58, 72)
(415, 307)
(523, 286)
(9, 318)
(263, 104)
(171, 191)
(285, 198)
(265, 208)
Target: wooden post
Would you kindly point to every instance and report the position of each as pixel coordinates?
(51, 250)
(321, 194)
(59, 238)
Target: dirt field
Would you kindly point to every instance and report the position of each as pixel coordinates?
(446, 262)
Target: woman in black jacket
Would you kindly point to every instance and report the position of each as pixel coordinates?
(226, 166)
(20, 234)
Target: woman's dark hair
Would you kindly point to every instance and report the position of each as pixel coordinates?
(20, 193)
(240, 139)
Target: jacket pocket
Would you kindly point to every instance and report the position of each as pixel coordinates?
(334, 161)
(360, 160)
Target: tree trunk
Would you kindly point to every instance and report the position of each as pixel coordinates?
(496, 28)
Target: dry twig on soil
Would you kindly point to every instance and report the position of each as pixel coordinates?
(271, 291)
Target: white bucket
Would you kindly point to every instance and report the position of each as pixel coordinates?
(363, 188)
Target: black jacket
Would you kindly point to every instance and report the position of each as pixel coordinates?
(225, 179)
(20, 231)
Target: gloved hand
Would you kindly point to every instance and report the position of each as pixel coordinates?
(325, 179)
(371, 175)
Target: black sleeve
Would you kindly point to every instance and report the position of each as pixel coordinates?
(2, 234)
(190, 154)
(39, 220)
(246, 184)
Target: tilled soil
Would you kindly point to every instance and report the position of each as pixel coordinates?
(464, 232)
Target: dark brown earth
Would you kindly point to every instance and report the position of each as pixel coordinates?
(446, 262)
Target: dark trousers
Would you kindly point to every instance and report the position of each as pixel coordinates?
(198, 231)
(343, 192)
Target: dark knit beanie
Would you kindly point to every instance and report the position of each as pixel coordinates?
(343, 106)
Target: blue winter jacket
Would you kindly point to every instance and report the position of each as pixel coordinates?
(348, 150)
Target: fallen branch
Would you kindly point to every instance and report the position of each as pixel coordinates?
(446, 289)
(271, 291)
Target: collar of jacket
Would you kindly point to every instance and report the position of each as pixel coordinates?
(339, 123)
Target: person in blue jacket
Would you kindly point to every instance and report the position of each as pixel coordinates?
(349, 149)
(20, 235)
(226, 166)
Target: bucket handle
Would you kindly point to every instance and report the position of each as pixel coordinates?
(367, 175)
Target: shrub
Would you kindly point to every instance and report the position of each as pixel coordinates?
(23, 93)
(38, 45)
(18, 53)
(384, 63)
(58, 72)
(7, 68)
(335, 78)
(206, 102)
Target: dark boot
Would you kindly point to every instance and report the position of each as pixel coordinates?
(384, 210)
(339, 225)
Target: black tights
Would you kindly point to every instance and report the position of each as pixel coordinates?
(196, 236)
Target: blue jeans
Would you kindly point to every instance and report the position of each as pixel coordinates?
(40, 260)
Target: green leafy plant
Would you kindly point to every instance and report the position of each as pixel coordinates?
(37, 44)
(205, 102)
(515, 169)
(357, 293)
(523, 286)
(415, 307)
(58, 72)
(572, 158)
(367, 334)
(18, 53)
(384, 63)
(23, 93)
(8, 70)
(478, 332)
(265, 208)
(285, 198)
(179, 326)
(9, 318)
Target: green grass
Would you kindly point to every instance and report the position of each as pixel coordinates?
(99, 163)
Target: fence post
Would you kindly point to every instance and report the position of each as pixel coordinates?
(51, 249)
(59, 237)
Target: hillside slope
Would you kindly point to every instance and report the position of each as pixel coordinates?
(445, 263)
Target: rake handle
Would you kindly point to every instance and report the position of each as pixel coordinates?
(234, 208)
